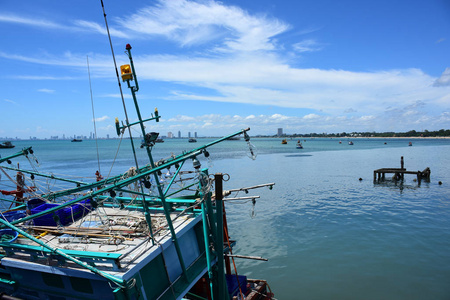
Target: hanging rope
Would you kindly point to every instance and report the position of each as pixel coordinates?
(93, 114)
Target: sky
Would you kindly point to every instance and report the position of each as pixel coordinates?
(211, 67)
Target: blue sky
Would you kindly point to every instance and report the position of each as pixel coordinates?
(216, 67)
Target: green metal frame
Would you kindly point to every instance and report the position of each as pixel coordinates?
(24, 151)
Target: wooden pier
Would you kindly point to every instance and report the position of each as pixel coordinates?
(399, 173)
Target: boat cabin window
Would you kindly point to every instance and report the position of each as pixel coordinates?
(81, 285)
(53, 280)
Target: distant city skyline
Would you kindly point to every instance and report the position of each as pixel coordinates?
(411, 133)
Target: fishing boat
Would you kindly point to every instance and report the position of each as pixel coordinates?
(128, 236)
(76, 141)
(299, 145)
(6, 145)
(284, 142)
(192, 140)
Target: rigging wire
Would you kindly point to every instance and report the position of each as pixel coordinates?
(120, 87)
(93, 114)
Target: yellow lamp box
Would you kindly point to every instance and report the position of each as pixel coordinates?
(125, 70)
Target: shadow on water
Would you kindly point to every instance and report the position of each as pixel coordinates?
(298, 155)
(399, 185)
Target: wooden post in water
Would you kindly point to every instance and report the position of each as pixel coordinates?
(402, 166)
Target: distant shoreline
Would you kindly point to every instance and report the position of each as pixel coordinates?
(366, 137)
(265, 137)
(402, 137)
(363, 137)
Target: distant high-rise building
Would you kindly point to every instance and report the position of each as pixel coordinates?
(179, 134)
(189, 134)
(170, 135)
(280, 132)
(195, 134)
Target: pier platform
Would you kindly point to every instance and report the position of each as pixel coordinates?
(399, 173)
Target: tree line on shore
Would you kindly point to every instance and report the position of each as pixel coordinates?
(411, 133)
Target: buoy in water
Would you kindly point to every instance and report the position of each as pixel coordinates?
(360, 179)
(440, 182)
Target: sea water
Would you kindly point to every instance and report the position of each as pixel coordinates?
(326, 233)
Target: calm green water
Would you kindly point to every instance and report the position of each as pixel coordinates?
(327, 234)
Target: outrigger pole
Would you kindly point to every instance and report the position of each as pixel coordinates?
(24, 151)
(78, 183)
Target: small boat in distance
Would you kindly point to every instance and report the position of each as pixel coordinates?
(6, 145)
(159, 140)
(350, 143)
(284, 142)
(76, 140)
(299, 145)
(410, 144)
(192, 140)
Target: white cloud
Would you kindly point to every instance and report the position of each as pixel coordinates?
(10, 101)
(193, 23)
(181, 118)
(101, 119)
(11, 18)
(444, 80)
(311, 117)
(98, 28)
(367, 118)
(28, 77)
(262, 77)
(107, 128)
(48, 91)
(267, 124)
(118, 96)
(307, 46)
(77, 25)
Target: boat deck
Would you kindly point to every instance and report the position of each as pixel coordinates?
(112, 240)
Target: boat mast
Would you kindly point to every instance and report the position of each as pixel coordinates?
(128, 75)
